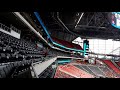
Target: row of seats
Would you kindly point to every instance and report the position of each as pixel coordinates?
(107, 72)
(7, 57)
(13, 49)
(112, 66)
(19, 43)
(60, 74)
(14, 68)
(98, 70)
(22, 72)
(118, 63)
(17, 55)
(7, 70)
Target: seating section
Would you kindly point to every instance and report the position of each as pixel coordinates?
(13, 49)
(85, 68)
(112, 66)
(8, 70)
(60, 74)
(17, 52)
(118, 63)
(108, 73)
(98, 70)
(67, 44)
(77, 46)
(22, 71)
(74, 71)
(48, 73)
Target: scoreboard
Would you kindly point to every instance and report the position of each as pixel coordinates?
(114, 18)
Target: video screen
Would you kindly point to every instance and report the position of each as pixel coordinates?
(115, 19)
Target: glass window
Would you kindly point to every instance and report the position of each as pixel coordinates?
(101, 46)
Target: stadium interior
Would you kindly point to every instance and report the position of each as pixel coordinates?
(59, 44)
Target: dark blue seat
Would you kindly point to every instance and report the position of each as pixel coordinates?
(15, 64)
(2, 73)
(6, 70)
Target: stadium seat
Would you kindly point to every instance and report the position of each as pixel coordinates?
(6, 70)
(2, 72)
(112, 66)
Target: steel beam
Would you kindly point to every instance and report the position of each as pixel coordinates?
(17, 14)
(79, 19)
(31, 21)
(91, 19)
(85, 26)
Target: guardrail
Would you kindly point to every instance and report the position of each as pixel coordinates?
(38, 68)
(5, 27)
(15, 29)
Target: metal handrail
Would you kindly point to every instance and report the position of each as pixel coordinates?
(15, 29)
(4, 27)
(9, 28)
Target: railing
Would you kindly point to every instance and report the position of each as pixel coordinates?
(9, 28)
(15, 29)
(5, 27)
(38, 68)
